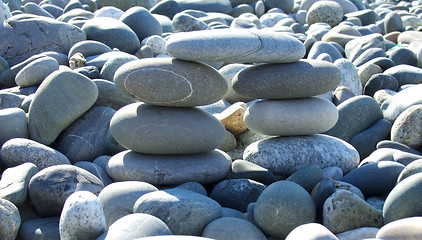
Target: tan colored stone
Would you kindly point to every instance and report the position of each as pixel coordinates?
(232, 118)
(77, 60)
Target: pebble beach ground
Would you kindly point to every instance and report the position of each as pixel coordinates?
(198, 119)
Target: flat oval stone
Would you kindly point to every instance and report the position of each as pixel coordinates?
(236, 46)
(283, 206)
(169, 169)
(161, 130)
(285, 155)
(405, 74)
(406, 228)
(35, 72)
(380, 81)
(291, 117)
(395, 105)
(403, 200)
(401, 55)
(11, 220)
(85, 206)
(305, 78)
(89, 48)
(409, 36)
(127, 227)
(17, 151)
(326, 12)
(174, 207)
(50, 187)
(407, 127)
(60, 90)
(171, 82)
(117, 199)
(232, 228)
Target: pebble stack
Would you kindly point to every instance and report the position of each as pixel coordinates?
(224, 119)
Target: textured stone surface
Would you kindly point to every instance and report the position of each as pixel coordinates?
(406, 228)
(232, 228)
(395, 105)
(326, 12)
(82, 217)
(291, 117)
(283, 206)
(152, 129)
(175, 208)
(14, 183)
(407, 127)
(405, 74)
(411, 169)
(13, 124)
(169, 169)
(285, 155)
(236, 46)
(292, 80)
(11, 220)
(171, 82)
(61, 90)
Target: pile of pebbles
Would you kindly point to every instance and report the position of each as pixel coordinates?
(196, 119)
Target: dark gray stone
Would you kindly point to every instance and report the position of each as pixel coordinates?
(375, 179)
(13, 124)
(405, 74)
(167, 8)
(293, 207)
(110, 96)
(323, 47)
(383, 62)
(89, 136)
(232, 228)
(26, 35)
(128, 227)
(10, 100)
(380, 81)
(398, 146)
(54, 10)
(237, 193)
(368, 55)
(60, 90)
(355, 115)
(93, 168)
(150, 26)
(307, 177)
(243, 169)
(17, 151)
(89, 48)
(401, 55)
(354, 48)
(292, 80)
(174, 207)
(321, 192)
(40, 228)
(403, 200)
(169, 169)
(367, 16)
(285, 5)
(91, 72)
(50, 187)
(365, 142)
(113, 33)
(236, 46)
(161, 130)
(171, 82)
(11, 220)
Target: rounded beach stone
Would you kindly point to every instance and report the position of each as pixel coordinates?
(95, 169)
(368, 55)
(60, 90)
(403, 200)
(156, 43)
(89, 136)
(126, 4)
(393, 22)
(232, 228)
(169, 169)
(406, 228)
(355, 115)
(117, 199)
(183, 22)
(325, 11)
(142, 128)
(110, 67)
(398, 146)
(82, 217)
(307, 177)
(380, 81)
(311, 231)
(14, 183)
(228, 72)
(375, 179)
(244, 169)
(407, 127)
(35, 72)
(171, 82)
(89, 48)
(285, 5)
(285, 155)
(110, 96)
(405, 74)
(345, 211)
(113, 33)
(50, 187)
(13, 124)
(359, 233)
(354, 48)
(127, 227)
(237, 193)
(194, 187)
(109, 11)
(11, 220)
(411, 169)
(320, 48)
(150, 25)
(283, 206)
(407, 37)
(395, 105)
(291, 117)
(174, 207)
(39, 228)
(168, 8)
(236, 46)
(403, 55)
(292, 80)
(17, 151)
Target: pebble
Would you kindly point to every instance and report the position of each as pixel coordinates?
(82, 217)
(174, 207)
(394, 106)
(128, 227)
(117, 199)
(232, 228)
(380, 81)
(109, 11)
(311, 231)
(341, 94)
(350, 77)
(110, 96)
(40, 228)
(232, 118)
(11, 220)
(402, 56)
(307, 177)
(405, 74)
(244, 169)
(13, 124)
(169, 169)
(36, 71)
(325, 11)
(126, 4)
(408, 119)
(293, 207)
(95, 169)
(406, 228)
(411, 169)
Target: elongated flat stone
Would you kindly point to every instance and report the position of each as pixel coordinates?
(236, 46)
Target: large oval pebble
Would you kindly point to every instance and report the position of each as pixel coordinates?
(285, 155)
(171, 82)
(291, 117)
(406, 228)
(236, 46)
(305, 78)
(35, 72)
(169, 169)
(395, 105)
(153, 129)
(407, 128)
